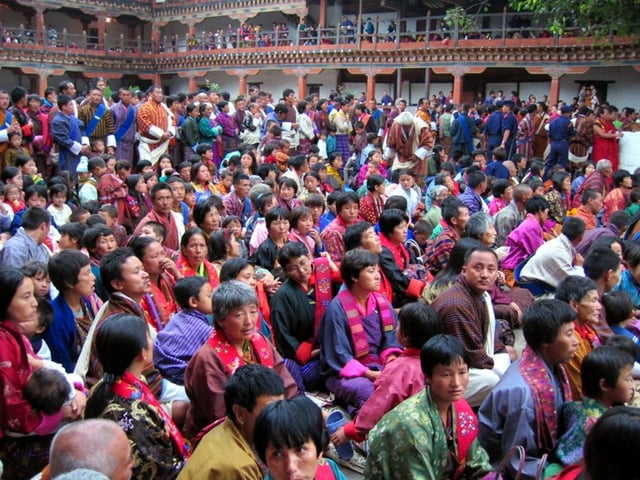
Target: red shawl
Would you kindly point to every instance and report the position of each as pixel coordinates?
(230, 356)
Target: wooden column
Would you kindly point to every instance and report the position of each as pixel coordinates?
(554, 92)
(457, 89)
(323, 14)
(242, 85)
(41, 33)
(302, 86)
(371, 87)
(102, 24)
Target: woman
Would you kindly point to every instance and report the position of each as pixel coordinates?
(25, 433)
(201, 181)
(277, 221)
(193, 257)
(357, 332)
(207, 215)
(74, 309)
(208, 133)
(372, 204)
(124, 348)
(248, 162)
(163, 275)
(305, 126)
(559, 197)
(344, 128)
(396, 261)
(605, 137)
(322, 116)
(137, 202)
(151, 179)
(223, 245)
(288, 189)
(234, 342)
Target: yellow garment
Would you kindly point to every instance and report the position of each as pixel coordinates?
(575, 365)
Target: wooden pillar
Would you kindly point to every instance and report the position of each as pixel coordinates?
(41, 33)
(41, 83)
(193, 84)
(323, 14)
(302, 86)
(242, 86)
(371, 87)
(102, 23)
(457, 89)
(554, 93)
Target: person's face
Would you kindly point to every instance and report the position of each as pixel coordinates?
(30, 168)
(147, 231)
(310, 183)
(18, 181)
(563, 347)
(588, 308)
(566, 184)
(211, 222)
(287, 192)
(154, 256)
(4, 101)
(406, 181)
(449, 183)
(162, 201)
(196, 250)
(337, 163)
(399, 233)
(349, 212)
(178, 191)
(107, 218)
(481, 271)
(507, 196)
(86, 281)
(279, 228)
(15, 142)
(104, 245)
(41, 282)
(627, 183)
(589, 170)
(370, 241)
(595, 205)
(125, 97)
(95, 96)
(299, 463)
(489, 237)
(614, 277)
(226, 181)
(248, 276)
(156, 95)
(190, 198)
(233, 249)
(204, 176)
(151, 181)
(246, 161)
(242, 188)
(462, 218)
(111, 162)
(202, 301)
(23, 309)
(623, 390)
(448, 382)
(368, 279)
(240, 324)
(65, 241)
(165, 163)
(134, 280)
(316, 213)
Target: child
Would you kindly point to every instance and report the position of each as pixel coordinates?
(311, 182)
(407, 180)
(13, 197)
(27, 166)
(123, 169)
(334, 169)
(6, 211)
(618, 308)
(47, 390)
(372, 165)
(634, 203)
(418, 244)
(606, 381)
(58, 208)
(156, 230)
(71, 236)
(235, 225)
(282, 155)
(187, 331)
(110, 186)
(225, 178)
(89, 191)
(331, 142)
(38, 272)
(184, 169)
(400, 379)
(303, 231)
(502, 194)
(110, 215)
(15, 149)
(316, 203)
(99, 241)
(144, 166)
(98, 147)
(322, 145)
(359, 141)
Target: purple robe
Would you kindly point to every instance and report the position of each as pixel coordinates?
(523, 241)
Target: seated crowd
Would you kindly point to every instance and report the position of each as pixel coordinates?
(170, 314)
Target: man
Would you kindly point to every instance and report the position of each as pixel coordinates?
(496, 167)
(97, 444)
(617, 225)
(493, 128)
(237, 202)
(376, 121)
(8, 124)
(226, 450)
(298, 166)
(28, 242)
(156, 126)
(422, 111)
(527, 237)
(456, 215)
(409, 143)
(162, 212)
(400, 106)
(65, 133)
(523, 408)
(560, 131)
(98, 121)
(591, 206)
(476, 186)
(603, 266)
(507, 219)
(540, 136)
(557, 259)
(509, 129)
(124, 117)
(597, 181)
(466, 312)
(291, 118)
(463, 130)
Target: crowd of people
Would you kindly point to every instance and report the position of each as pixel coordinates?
(182, 272)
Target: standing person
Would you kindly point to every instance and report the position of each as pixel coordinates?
(344, 128)
(156, 126)
(560, 132)
(526, 132)
(8, 123)
(438, 419)
(98, 121)
(540, 137)
(190, 131)
(65, 133)
(605, 137)
(409, 143)
(124, 117)
(523, 408)
(509, 129)
(25, 433)
(124, 348)
(463, 131)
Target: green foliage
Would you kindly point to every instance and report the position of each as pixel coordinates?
(593, 17)
(458, 17)
(212, 87)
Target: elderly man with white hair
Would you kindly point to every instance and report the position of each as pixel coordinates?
(409, 143)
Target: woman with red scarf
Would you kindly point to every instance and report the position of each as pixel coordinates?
(395, 260)
(124, 348)
(605, 138)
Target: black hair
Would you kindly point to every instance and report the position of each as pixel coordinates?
(600, 260)
(475, 178)
(558, 179)
(218, 243)
(451, 209)
(632, 254)
(290, 251)
(479, 249)
(93, 233)
(64, 268)
(33, 268)
(353, 235)
(187, 288)
(277, 213)
(573, 228)
(574, 288)
(289, 424)
(396, 201)
(34, 217)
(118, 342)
(500, 186)
(605, 362)
(618, 307)
(441, 350)
(289, 182)
(589, 195)
(46, 390)
(541, 323)
(354, 262)
(624, 343)
(390, 219)
(139, 245)
(192, 232)
(247, 384)
(74, 230)
(111, 267)
(344, 198)
(203, 207)
(536, 204)
(233, 266)
(315, 200)
(373, 181)
(418, 323)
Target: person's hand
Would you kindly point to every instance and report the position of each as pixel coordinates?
(316, 237)
(78, 404)
(85, 150)
(111, 150)
(272, 287)
(332, 265)
(391, 358)
(315, 353)
(34, 362)
(170, 267)
(339, 437)
(517, 309)
(578, 260)
(502, 279)
(513, 355)
(372, 375)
